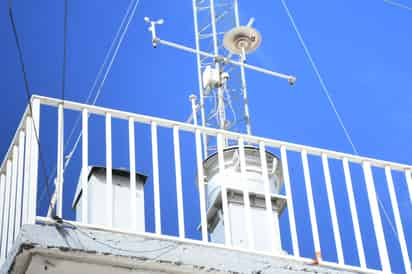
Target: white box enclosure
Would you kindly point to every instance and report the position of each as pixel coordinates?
(234, 184)
(121, 199)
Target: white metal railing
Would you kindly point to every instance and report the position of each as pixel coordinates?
(19, 182)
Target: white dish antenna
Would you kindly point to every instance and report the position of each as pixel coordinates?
(242, 40)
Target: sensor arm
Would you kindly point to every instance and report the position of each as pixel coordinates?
(291, 79)
(156, 40)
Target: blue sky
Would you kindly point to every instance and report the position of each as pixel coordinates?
(362, 49)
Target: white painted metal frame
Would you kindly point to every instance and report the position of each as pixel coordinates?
(156, 182)
(34, 159)
(2, 212)
(6, 218)
(291, 211)
(60, 161)
(132, 168)
(409, 183)
(398, 221)
(13, 195)
(376, 218)
(332, 208)
(179, 191)
(85, 166)
(109, 174)
(23, 171)
(201, 186)
(311, 205)
(19, 186)
(354, 213)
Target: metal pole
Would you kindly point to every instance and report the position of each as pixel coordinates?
(243, 75)
(220, 90)
(199, 75)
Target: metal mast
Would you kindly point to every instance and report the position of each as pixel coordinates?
(221, 47)
(223, 104)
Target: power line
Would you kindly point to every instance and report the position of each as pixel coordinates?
(27, 91)
(108, 69)
(397, 4)
(331, 102)
(104, 71)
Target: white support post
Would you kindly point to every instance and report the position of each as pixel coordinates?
(109, 173)
(34, 161)
(201, 185)
(268, 198)
(246, 198)
(13, 195)
(6, 218)
(398, 221)
(311, 205)
(354, 213)
(19, 184)
(409, 183)
(225, 206)
(85, 166)
(291, 211)
(27, 164)
(60, 161)
(156, 182)
(376, 218)
(179, 191)
(132, 168)
(2, 209)
(332, 208)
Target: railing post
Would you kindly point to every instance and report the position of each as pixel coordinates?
(20, 163)
(109, 174)
(13, 195)
(246, 198)
(2, 212)
(311, 205)
(223, 189)
(132, 167)
(376, 218)
(398, 221)
(179, 191)
(201, 185)
(85, 166)
(354, 213)
(268, 198)
(332, 208)
(409, 183)
(60, 161)
(156, 183)
(6, 220)
(291, 211)
(27, 159)
(34, 160)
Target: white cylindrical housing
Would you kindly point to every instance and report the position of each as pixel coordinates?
(231, 180)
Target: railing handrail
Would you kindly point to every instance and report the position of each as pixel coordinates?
(147, 119)
(20, 167)
(15, 139)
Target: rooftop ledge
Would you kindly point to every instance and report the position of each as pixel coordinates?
(68, 249)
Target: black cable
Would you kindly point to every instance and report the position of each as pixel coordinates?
(27, 91)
